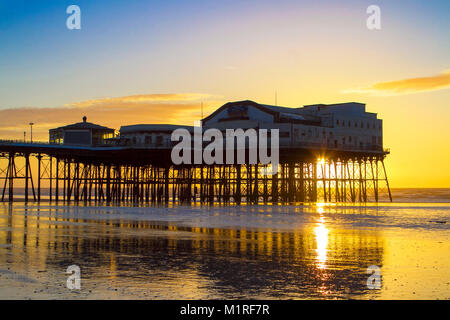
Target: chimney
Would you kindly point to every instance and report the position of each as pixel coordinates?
(84, 119)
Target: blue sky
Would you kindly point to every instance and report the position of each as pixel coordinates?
(169, 46)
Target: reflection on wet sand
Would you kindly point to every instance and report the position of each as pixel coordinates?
(139, 259)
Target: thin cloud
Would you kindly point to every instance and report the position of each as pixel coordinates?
(142, 98)
(407, 86)
(111, 112)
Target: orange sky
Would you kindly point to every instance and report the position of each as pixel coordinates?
(158, 61)
(417, 136)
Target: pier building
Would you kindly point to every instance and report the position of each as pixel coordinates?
(328, 153)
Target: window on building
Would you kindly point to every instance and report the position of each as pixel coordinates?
(148, 139)
(159, 140)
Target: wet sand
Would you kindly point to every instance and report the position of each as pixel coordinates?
(260, 252)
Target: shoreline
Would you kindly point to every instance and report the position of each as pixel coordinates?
(262, 252)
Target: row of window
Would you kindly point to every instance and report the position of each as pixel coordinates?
(348, 123)
(148, 140)
(309, 132)
(351, 140)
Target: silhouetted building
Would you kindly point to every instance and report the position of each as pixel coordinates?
(81, 133)
(334, 126)
(149, 135)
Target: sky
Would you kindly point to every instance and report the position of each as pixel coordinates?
(156, 61)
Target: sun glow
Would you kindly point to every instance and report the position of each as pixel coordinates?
(321, 234)
(320, 209)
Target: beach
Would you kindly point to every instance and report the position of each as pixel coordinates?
(309, 251)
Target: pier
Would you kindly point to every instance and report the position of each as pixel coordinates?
(138, 175)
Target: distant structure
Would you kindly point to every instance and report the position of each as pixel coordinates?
(81, 134)
(328, 153)
(344, 126)
(341, 126)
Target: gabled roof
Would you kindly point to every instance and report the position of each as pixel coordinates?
(234, 103)
(278, 108)
(84, 125)
(284, 112)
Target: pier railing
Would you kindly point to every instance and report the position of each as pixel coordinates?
(5, 142)
(302, 144)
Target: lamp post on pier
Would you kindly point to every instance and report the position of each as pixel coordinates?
(31, 125)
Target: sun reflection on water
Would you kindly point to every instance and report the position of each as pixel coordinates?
(321, 235)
